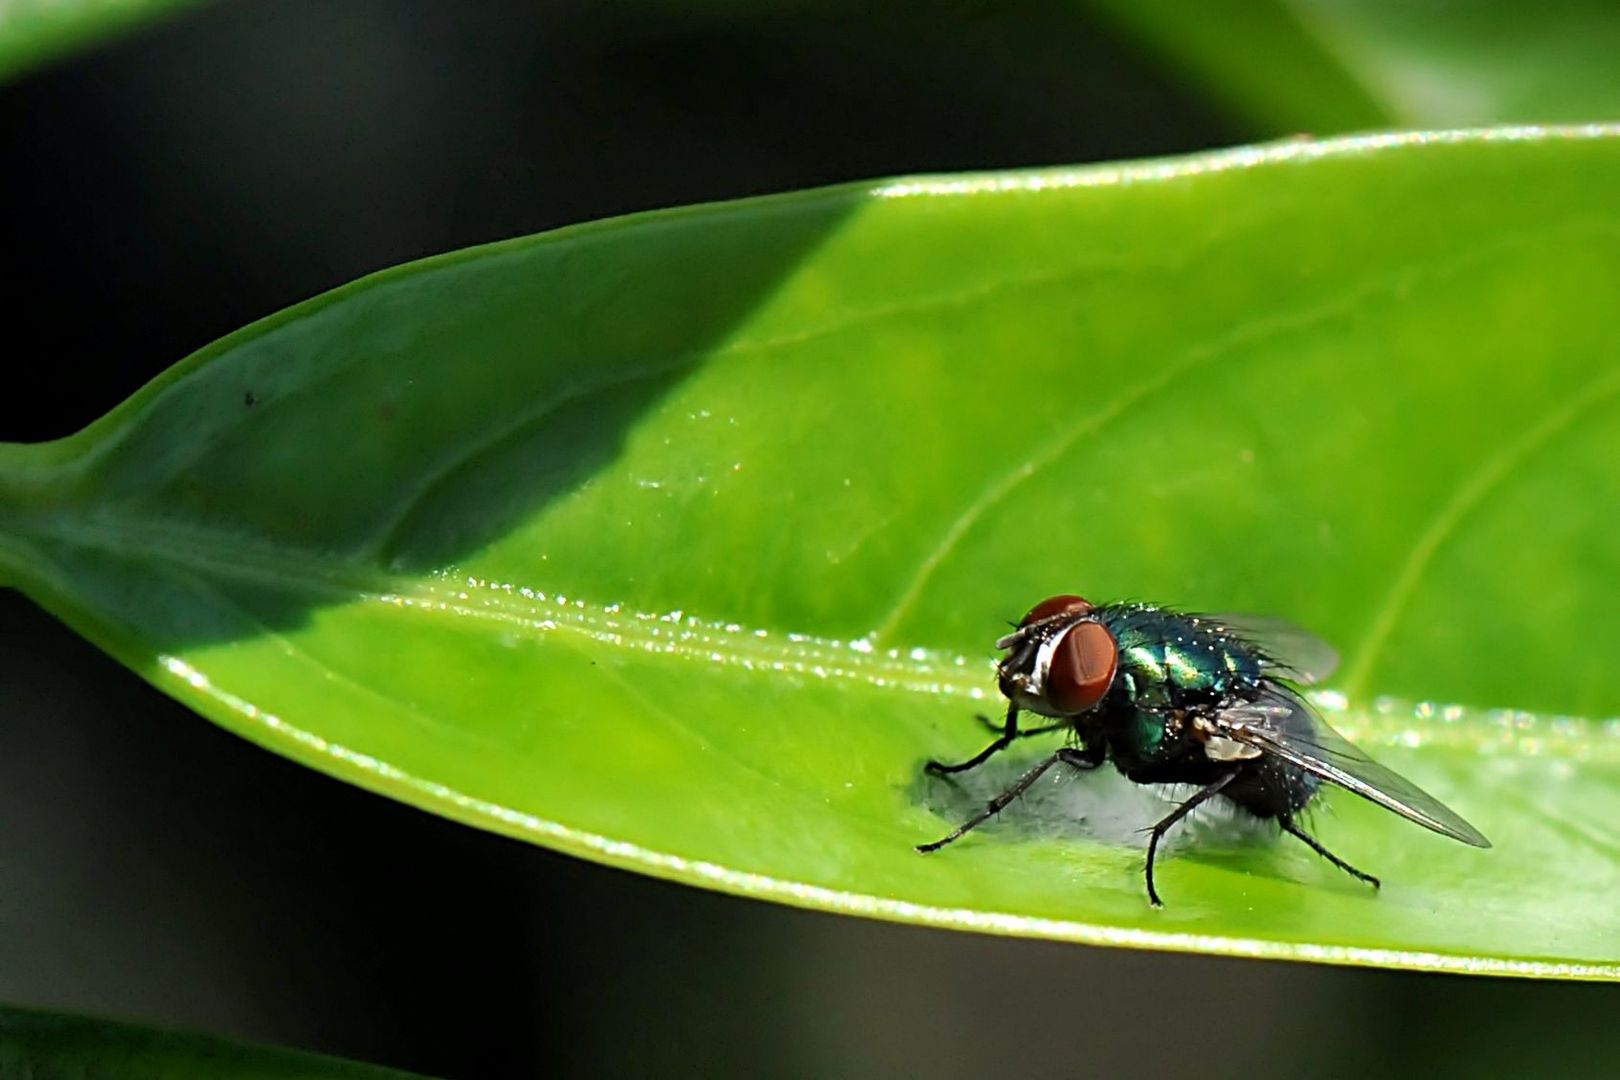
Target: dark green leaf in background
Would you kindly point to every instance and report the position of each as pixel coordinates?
(48, 1046)
(1326, 66)
(679, 541)
(35, 31)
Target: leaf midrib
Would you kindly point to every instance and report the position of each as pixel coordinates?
(457, 597)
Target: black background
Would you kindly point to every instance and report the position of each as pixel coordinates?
(161, 191)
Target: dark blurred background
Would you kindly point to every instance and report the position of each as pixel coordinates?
(167, 188)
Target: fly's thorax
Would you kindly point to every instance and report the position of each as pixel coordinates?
(1172, 670)
(1159, 736)
(1141, 736)
(1170, 659)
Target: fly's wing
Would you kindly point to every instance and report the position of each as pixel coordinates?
(1289, 651)
(1279, 723)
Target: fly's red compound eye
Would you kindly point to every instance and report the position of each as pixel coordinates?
(1055, 605)
(1082, 667)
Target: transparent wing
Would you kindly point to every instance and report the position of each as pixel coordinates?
(1280, 723)
(1290, 651)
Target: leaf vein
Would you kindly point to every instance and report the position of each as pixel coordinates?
(1468, 495)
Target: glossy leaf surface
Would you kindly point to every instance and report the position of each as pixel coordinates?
(680, 541)
(1326, 66)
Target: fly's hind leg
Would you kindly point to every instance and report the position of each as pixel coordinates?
(1289, 827)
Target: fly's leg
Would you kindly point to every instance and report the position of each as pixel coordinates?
(1075, 758)
(1201, 796)
(1009, 732)
(1294, 830)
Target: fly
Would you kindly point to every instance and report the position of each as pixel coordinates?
(1172, 698)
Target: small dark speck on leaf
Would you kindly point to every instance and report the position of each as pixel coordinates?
(250, 399)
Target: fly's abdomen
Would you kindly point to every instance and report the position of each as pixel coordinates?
(1273, 788)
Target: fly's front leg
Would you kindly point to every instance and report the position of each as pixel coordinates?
(1023, 733)
(1078, 759)
(1009, 732)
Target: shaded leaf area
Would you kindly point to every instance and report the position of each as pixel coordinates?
(45, 1046)
(1326, 66)
(679, 541)
(33, 32)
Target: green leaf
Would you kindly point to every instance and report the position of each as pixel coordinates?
(50, 1045)
(35, 31)
(1325, 66)
(679, 542)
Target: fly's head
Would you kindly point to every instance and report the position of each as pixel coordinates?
(1060, 661)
